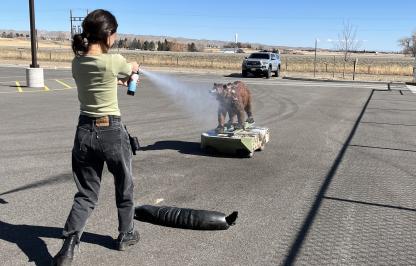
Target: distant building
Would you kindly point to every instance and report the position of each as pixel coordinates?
(228, 51)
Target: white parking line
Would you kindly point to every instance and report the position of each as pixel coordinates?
(8, 77)
(63, 83)
(159, 201)
(411, 88)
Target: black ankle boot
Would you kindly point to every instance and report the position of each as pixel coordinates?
(66, 254)
(127, 239)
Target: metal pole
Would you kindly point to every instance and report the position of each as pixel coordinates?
(70, 18)
(355, 65)
(33, 34)
(34, 74)
(314, 62)
(414, 70)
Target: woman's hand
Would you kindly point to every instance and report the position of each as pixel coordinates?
(124, 81)
(134, 67)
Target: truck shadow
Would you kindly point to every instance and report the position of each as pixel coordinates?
(233, 75)
(249, 76)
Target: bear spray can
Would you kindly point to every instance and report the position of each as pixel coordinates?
(133, 84)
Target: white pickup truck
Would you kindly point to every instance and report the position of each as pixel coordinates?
(261, 63)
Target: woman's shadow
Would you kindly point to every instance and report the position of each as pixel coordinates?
(28, 239)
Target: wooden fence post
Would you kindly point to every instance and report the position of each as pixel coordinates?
(355, 65)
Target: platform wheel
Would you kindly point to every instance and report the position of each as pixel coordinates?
(244, 153)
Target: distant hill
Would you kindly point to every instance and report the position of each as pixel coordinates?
(65, 35)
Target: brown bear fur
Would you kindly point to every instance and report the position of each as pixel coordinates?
(234, 99)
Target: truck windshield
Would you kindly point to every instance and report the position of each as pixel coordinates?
(259, 56)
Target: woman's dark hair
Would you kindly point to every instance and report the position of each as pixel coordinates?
(96, 28)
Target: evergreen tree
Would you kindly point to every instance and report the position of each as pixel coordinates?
(167, 45)
(162, 46)
(120, 43)
(146, 45)
(192, 47)
(139, 45)
(134, 44)
(152, 46)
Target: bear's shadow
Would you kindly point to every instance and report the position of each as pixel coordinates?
(184, 147)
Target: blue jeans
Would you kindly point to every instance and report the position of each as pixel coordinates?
(95, 144)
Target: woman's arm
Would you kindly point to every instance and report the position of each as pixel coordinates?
(122, 68)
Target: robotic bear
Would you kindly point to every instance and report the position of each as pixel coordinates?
(234, 99)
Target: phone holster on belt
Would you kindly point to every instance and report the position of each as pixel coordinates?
(134, 142)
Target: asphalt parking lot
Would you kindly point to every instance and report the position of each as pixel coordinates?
(334, 186)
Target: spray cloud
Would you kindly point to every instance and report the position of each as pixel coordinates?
(193, 97)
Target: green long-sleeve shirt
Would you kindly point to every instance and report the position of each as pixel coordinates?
(96, 80)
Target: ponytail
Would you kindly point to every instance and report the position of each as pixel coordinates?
(79, 44)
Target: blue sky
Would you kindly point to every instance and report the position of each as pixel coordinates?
(293, 23)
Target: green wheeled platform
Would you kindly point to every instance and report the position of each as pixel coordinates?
(241, 142)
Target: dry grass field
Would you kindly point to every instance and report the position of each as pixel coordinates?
(24, 43)
(369, 66)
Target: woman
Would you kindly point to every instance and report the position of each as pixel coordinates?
(100, 136)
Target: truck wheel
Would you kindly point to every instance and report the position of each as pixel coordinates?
(277, 72)
(269, 72)
(244, 73)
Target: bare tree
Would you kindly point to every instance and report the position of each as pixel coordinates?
(408, 44)
(61, 36)
(347, 42)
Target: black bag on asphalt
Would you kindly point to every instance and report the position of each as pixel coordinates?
(184, 218)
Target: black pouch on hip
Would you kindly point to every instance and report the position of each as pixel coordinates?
(134, 142)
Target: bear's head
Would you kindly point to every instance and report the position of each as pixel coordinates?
(222, 91)
(218, 89)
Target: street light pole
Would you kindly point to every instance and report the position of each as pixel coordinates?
(314, 61)
(34, 74)
(33, 34)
